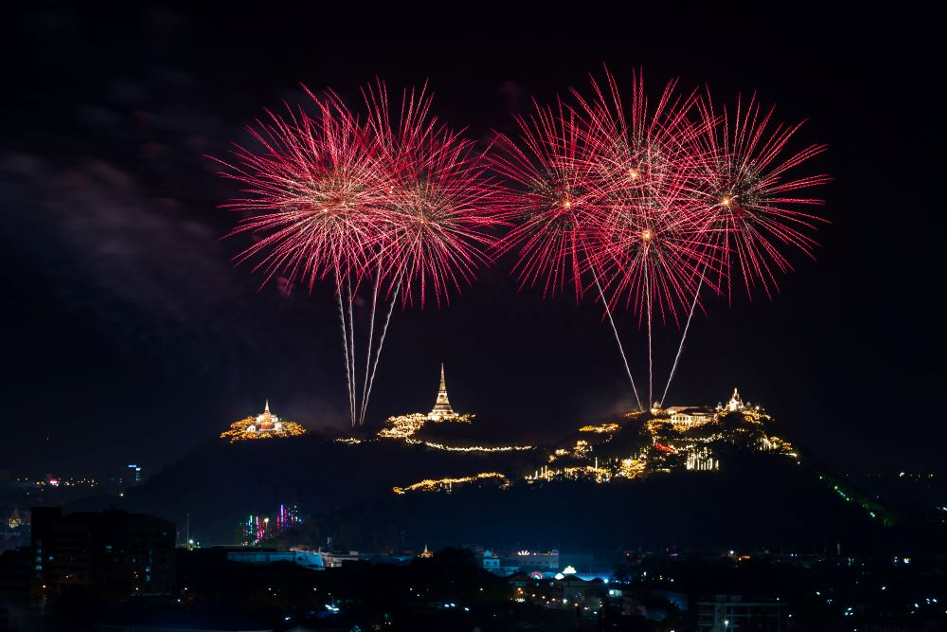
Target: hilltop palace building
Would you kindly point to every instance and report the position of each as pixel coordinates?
(689, 416)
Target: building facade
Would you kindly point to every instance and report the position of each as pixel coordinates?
(730, 612)
(112, 554)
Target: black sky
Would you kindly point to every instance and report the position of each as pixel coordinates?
(129, 336)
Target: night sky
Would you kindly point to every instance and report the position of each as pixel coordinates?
(129, 336)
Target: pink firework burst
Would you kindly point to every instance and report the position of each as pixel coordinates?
(553, 203)
(654, 245)
(314, 195)
(400, 200)
(652, 200)
(748, 184)
(440, 211)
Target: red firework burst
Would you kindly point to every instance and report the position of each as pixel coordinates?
(747, 183)
(554, 203)
(654, 245)
(401, 200)
(439, 202)
(315, 194)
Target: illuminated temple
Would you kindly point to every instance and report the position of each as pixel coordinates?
(442, 409)
(405, 426)
(266, 425)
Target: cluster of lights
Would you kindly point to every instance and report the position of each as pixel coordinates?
(559, 453)
(601, 429)
(874, 510)
(694, 453)
(471, 448)
(701, 459)
(575, 472)
(441, 484)
(581, 450)
(770, 443)
(631, 468)
(256, 529)
(404, 426)
(539, 593)
(62, 482)
(599, 474)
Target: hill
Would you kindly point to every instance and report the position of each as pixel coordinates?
(659, 480)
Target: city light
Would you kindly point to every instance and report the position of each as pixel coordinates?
(445, 484)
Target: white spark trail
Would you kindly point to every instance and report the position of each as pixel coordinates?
(680, 349)
(647, 289)
(381, 342)
(345, 349)
(351, 368)
(368, 359)
(621, 349)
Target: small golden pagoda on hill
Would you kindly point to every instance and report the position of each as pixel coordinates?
(266, 425)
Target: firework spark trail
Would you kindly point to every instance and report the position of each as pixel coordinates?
(642, 157)
(681, 347)
(381, 343)
(643, 200)
(621, 349)
(352, 349)
(556, 217)
(600, 193)
(439, 206)
(345, 351)
(368, 359)
(749, 187)
(331, 193)
(647, 287)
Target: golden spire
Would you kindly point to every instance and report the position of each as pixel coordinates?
(267, 408)
(442, 409)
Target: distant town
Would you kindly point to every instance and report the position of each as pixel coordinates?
(116, 569)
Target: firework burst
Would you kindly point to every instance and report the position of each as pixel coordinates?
(440, 212)
(553, 203)
(648, 202)
(313, 195)
(653, 244)
(556, 205)
(400, 201)
(748, 185)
